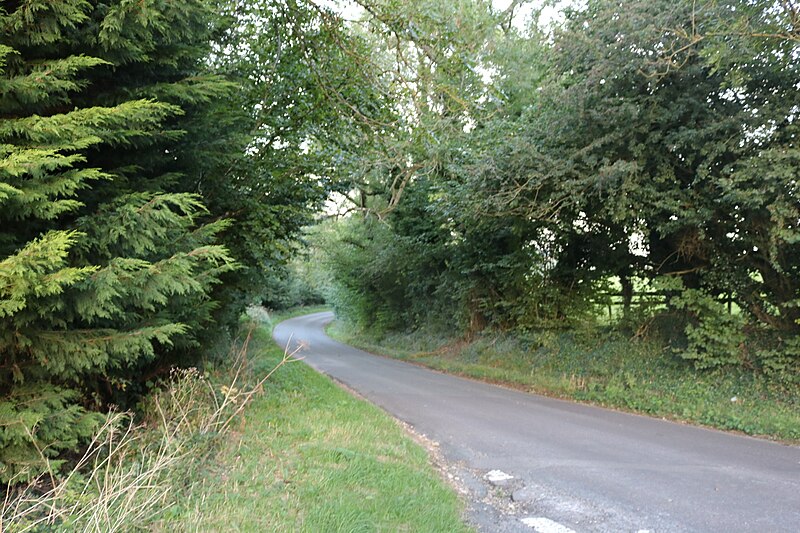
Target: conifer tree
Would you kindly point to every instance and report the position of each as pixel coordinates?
(107, 261)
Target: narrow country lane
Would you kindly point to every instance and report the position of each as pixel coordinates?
(574, 467)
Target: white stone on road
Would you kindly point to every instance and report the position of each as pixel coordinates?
(494, 476)
(545, 525)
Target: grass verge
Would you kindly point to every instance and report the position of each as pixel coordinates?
(604, 369)
(308, 456)
(260, 443)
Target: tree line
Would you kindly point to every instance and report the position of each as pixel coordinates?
(619, 148)
(161, 159)
(158, 161)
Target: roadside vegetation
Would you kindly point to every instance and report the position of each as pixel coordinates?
(309, 456)
(599, 196)
(145, 201)
(159, 160)
(265, 443)
(604, 369)
(139, 464)
(599, 201)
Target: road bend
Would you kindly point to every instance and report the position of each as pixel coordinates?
(530, 463)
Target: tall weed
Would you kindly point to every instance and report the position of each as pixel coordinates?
(132, 472)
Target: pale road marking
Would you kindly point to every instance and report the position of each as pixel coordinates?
(545, 525)
(497, 475)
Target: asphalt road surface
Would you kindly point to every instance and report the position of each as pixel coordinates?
(529, 463)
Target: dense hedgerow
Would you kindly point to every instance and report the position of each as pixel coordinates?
(107, 260)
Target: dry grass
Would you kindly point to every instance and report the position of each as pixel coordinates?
(132, 472)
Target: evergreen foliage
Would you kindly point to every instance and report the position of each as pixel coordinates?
(159, 161)
(108, 263)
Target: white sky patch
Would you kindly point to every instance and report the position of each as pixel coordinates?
(550, 14)
(522, 13)
(545, 525)
(348, 9)
(637, 244)
(581, 222)
(337, 205)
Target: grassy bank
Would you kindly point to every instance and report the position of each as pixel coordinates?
(307, 456)
(254, 444)
(608, 370)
